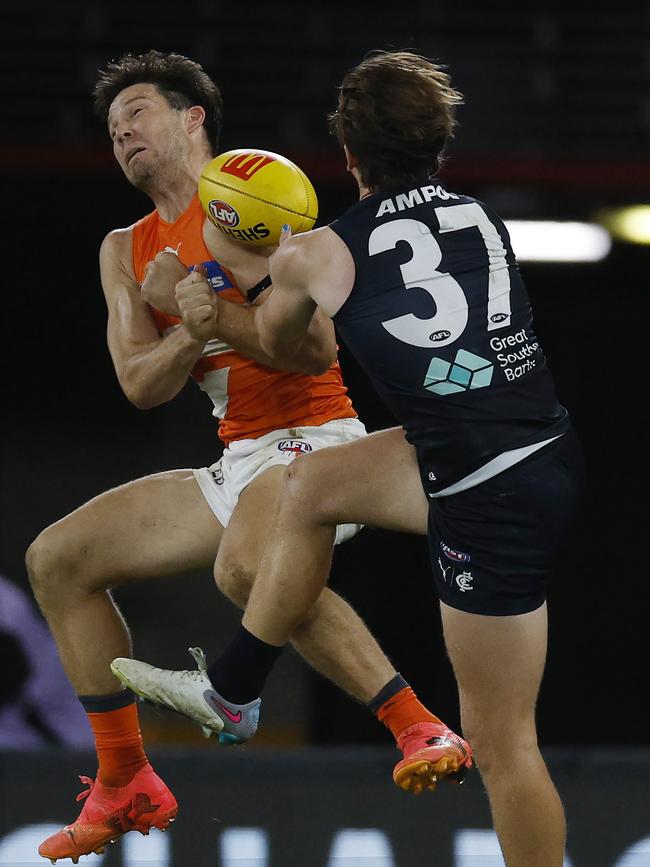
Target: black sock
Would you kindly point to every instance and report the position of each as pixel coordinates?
(240, 672)
(397, 684)
(103, 703)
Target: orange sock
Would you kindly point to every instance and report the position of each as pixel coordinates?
(119, 745)
(402, 710)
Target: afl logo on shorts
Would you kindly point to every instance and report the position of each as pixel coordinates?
(300, 447)
(223, 213)
(437, 336)
(456, 556)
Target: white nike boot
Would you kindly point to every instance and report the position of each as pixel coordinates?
(191, 693)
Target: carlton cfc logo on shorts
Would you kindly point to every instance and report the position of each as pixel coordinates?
(456, 556)
(300, 447)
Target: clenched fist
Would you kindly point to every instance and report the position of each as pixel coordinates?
(161, 277)
(198, 306)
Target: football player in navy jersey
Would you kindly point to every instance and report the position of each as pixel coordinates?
(423, 287)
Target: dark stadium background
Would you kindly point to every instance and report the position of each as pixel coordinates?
(556, 126)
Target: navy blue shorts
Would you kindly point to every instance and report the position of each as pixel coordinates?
(492, 546)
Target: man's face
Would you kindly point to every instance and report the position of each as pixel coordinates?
(146, 132)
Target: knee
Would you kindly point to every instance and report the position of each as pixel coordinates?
(40, 561)
(234, 581)
(52, 565)
(499, 744)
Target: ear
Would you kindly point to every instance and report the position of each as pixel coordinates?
(195, 118)
(350, 159)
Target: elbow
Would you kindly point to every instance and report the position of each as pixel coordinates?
(320, 366)
(306, 357)
(144, 391)
(319, 355)
(325, 358)
(140, 401)
(317, 363)
(139, 397)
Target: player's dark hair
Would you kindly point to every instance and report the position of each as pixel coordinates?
(181, 81)
(396, 112)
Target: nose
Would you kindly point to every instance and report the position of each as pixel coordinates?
(122, 132)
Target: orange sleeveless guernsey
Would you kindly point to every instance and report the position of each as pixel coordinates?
(249, 399)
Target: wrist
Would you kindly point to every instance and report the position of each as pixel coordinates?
(190, 341)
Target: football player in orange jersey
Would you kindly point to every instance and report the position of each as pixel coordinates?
(164, 116)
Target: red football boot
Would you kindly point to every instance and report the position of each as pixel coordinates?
(142, 804)
(432, 752)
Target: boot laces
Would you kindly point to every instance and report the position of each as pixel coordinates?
(87, 781)
(199, 657)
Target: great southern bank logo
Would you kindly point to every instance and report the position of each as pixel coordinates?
(466, 371)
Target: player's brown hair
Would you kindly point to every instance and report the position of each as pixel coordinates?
(182, 81)
(396, 111)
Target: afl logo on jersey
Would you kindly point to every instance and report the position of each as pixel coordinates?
(437, 336)
(300, 447)
(498, 317)
(456, 556)
(223, 213)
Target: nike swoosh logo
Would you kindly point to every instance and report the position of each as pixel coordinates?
(233, 717)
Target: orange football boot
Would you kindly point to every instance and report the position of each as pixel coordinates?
(142, 804)
(432, 752)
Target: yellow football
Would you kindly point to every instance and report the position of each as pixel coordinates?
(249, 194)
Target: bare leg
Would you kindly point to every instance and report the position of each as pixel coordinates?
(341, 484)
(161, 525)
(332, 638)
(498, 662)
(374, 481)
(149, 528)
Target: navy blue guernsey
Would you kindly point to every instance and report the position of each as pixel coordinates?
(440, 320)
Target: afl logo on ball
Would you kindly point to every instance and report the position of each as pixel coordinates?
(456, 556)
(300, 447)
(223, 213)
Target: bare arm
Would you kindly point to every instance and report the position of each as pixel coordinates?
(206, 316)
(312, 354)
(150, 369)
(313, 268)
(283, 322)
(235, 322)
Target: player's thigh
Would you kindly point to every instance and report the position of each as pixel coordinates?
(244, 538)
(154, 526)
(374, 480)
(498, 663)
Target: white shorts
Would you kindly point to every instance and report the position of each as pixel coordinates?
(244, 460)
